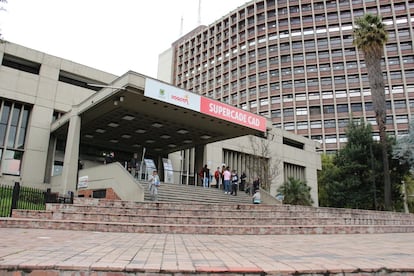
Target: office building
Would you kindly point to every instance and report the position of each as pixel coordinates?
(295, 63)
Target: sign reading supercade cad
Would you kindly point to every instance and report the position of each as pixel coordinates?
(176, 96)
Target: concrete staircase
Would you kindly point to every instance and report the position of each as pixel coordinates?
(225, 218)
(189, 193)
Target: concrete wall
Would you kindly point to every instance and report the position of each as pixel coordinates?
(45, 94)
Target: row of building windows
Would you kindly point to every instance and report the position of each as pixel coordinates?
(340, 123)
(311, 96)
(338, 108)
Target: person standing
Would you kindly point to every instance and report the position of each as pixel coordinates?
(234, 182)
(243, 181)
(217, 176)
(227, 179)
(223, 168)
(256, 184)
(109, 158)
(154, 184)
(206, 176)
(133, 165)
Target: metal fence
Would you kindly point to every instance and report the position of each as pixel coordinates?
(18, 197)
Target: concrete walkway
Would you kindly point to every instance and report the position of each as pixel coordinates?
(58, 252)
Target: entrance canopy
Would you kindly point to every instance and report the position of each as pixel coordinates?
(136, 111)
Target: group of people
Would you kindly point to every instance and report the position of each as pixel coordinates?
(229, 179)
(231, 182)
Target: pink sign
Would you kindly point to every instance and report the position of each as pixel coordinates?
(232, 114)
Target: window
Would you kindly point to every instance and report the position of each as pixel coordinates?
(400, 104)
(287, 112)
(275, 99)
(287, 98)
(80, 81)
(14, 121)
(276, 114)
(300, 97)
(354, 93)
(315, 110)
(302, 125)
(330, 139)
(401, 119)
(289, 126)
(356, 107)
(299, 70)
(264, 102)
(343, 123)
(21, 64)
(342, 108)
(301, 111)
(329, 124)
(328, 109)
(316, 124)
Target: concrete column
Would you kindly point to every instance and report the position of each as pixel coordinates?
(199, 161)
(50, 158)
(70, 163)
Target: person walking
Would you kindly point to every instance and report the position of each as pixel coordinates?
(227, 179)
(154, 184)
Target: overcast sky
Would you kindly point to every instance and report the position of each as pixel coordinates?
(114, 36)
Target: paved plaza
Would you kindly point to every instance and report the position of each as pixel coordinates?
(61, 250)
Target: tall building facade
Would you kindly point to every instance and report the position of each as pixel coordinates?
(295, 62)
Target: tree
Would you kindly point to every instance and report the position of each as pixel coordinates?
(404, 148)
(327, 180)
(356, 181)
(370, 36)
(296, 192)
(353, 178)
(263, 163)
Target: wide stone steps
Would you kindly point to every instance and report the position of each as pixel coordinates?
(225, 218)
(168, 192)
(203, 229)
(202, 218)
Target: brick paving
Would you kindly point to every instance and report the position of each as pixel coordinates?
(63, 252)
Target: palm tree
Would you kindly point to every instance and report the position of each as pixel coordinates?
(370, 37)
(296, 192)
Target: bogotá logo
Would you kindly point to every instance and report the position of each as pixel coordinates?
(161, 93)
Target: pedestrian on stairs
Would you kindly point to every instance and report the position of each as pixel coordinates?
(256, 197)
(227, 180)
(217, 176)
(154, 184)
(234, 183)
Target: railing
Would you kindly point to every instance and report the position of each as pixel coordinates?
(18, 197)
